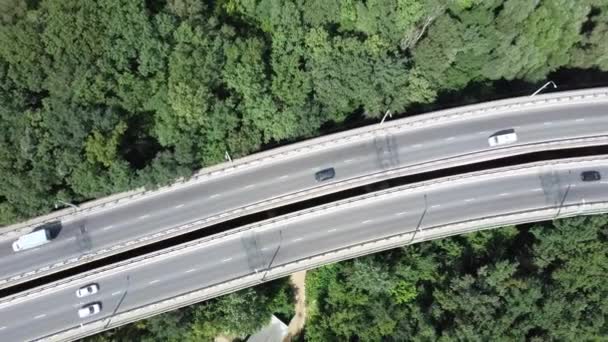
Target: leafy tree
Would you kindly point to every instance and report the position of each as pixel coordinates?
(98, 97)
(592, 51)
(540, 282)
(499, 39)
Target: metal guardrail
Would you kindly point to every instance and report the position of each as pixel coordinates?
(332, 187)
(308, 146)
(319, 260)
(299, 196)
(322, 209)
(339, 254)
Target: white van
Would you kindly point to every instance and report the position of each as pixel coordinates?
(31, 240)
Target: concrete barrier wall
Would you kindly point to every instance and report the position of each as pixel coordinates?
(341, 253)
(500, 107)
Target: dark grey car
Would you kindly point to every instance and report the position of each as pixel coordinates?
(325, 174)
(590, 176)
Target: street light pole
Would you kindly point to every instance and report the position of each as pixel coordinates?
(388, 113)
(66, 204)
(543, 87)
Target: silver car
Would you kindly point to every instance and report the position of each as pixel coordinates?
(87, 290)
(89, 310)
(325, 174)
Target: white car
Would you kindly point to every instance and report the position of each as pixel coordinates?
(87, 290)
(89, 310)
(507, 136)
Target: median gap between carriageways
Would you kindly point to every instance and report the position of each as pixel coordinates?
(290, 208)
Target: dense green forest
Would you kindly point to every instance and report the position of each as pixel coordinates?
(539, 282)
(100, 96)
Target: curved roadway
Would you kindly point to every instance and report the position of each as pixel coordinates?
(153, 214)
(432, 204)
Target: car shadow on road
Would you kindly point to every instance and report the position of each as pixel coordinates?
(53, 227)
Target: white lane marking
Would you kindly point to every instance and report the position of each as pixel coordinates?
(214, 196)
(417, 145)
(249, 186)
(401, 213)
(108, 227)
(504, 194)
(332, 230)
(469, 199)
(264, 248)
(115, 293)
(284, 176)
(537, 189)
(179, 206)
(154, 282)
(366, 221)
(227, 259)
(296, 240)
(191, 270)
(144, 216)
(548, 123)
(450, 138)
(348, 160)
(436, 206)
(2, 328)
(579, 120)
(482, 133)
(40, 316)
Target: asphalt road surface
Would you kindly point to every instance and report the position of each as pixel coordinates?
(246, 252)
(160, 212)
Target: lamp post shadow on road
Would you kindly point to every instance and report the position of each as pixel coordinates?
(273, 256)
(426, 207)
(561, 204)
(119, 302)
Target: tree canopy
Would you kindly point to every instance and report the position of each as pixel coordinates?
(104, 96)
(540, 282)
